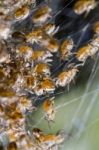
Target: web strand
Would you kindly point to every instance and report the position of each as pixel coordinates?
(89, 108)
(89, 83)
(66, 104)
(60, 11)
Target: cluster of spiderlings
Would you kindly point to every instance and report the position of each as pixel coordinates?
(28, 49)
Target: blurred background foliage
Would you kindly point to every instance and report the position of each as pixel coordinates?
(88, 139)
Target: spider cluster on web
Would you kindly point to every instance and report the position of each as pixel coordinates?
(35, 64)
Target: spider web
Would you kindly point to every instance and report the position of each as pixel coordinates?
(84, 107)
